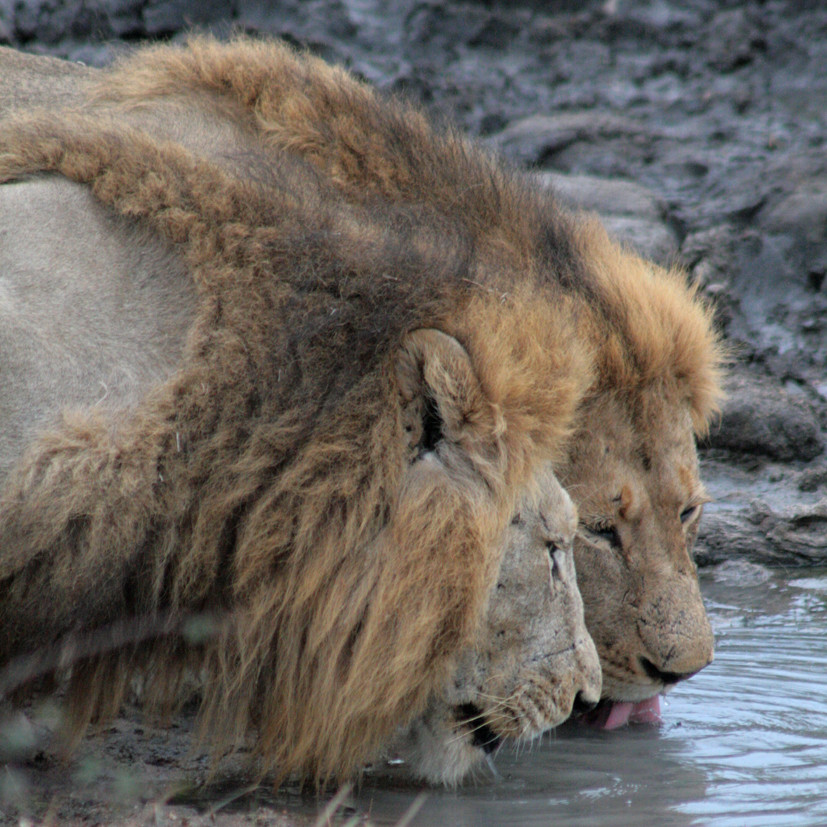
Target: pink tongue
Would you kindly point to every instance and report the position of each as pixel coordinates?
(643, 712)
(646, 712)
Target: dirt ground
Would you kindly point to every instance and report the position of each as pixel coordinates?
(134, 773)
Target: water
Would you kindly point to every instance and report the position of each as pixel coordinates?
(743, 743)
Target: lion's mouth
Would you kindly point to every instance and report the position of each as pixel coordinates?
(613, 714)
(482, 735)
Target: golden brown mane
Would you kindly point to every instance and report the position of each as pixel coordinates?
(652, 327)
(266, 478)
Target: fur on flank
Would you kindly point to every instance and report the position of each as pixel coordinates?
(278, 478)
(647, 326)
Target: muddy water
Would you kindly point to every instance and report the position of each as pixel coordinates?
(742, 743)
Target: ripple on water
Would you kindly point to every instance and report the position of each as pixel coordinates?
(743, 743)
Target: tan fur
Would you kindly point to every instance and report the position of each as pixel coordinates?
(532, 660)
(271, 477)
(656, 354)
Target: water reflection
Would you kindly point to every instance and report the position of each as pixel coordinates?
(743, 743)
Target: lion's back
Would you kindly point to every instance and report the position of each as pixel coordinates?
(93, 309)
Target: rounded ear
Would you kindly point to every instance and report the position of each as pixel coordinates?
(440, 392)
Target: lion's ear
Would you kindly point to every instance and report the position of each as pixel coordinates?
(440, 392)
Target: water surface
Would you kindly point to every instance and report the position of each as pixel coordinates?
(742, 743)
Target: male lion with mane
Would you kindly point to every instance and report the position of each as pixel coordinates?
(326, 455)
(631, 464)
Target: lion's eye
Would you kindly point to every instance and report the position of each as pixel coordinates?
(607, 533)
(554, 560)
(688, 513)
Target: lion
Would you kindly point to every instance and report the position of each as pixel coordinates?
(327, 465)
(631, 465)
(657, 355)
(532, 661)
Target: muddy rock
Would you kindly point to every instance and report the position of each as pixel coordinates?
(650, 239)
(760, 417)
(796, 535)
(536, 140)
(6, 19)
(736, 37)
(708, 256)
(813, 479)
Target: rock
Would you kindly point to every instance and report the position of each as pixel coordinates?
(650, 239)
(496, 33)
(739, 572)
(734, 40)
(781, 304)
(802, 212)
(631, 213)
(6, 21)
(52, 22)
(605, 196)
(536, 139)
(792, 536)
(445, 24)
(166, 16)
(761, 417)
(125, 17)
(813, 479)
(710, 254)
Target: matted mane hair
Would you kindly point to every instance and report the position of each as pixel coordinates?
(265, 480)
(648, 326)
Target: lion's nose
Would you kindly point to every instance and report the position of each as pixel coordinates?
(666, 678)
(582, 704)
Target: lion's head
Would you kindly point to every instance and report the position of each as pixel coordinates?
(532, 660)
(657, 387)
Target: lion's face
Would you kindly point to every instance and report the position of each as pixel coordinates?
(533, 659)
(638, 520)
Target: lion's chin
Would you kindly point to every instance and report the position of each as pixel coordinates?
(610, 714)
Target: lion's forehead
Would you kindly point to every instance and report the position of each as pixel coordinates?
(625, 487)
(650, 467)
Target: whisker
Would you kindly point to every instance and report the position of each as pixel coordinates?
(494, 771)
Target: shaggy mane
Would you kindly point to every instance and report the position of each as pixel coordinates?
(647, 325)
(258, 481)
